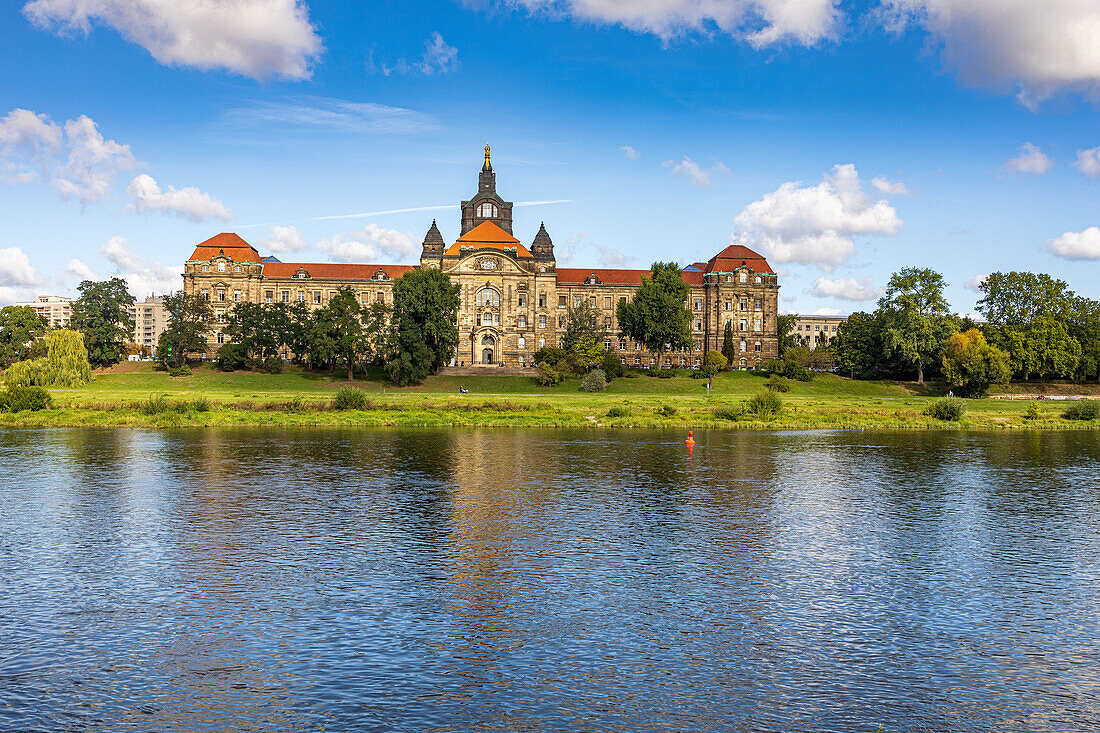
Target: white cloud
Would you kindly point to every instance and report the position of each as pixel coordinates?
(338, 115)
(694, 173)
(438, 58)
(371, 244)
(846, 288)
(190, 203)
(759, 22)
(827, 312)
(1088, 162)
(630, 153)
(1030, 160)
(890, 188)
(256, 38)
(580, 251)
(93, 162)
(1036, 48)
(815, 225)
(1076, 245)
(142, 278)
(284, 239)
(15, 268)
(79, 271)
(975, 283)
(28, 142)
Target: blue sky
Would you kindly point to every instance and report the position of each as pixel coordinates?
(842, 140)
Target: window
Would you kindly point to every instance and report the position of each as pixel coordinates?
(522, 300)
(729, 305)
(757, 325)
(542, 321)
(698, 325)
(758, 304)
(486, 209)
(521, 322)
(742, 344)
(269, 296)
(206, 268)
(817, 327)
(237, 268)
(744, 304)
(607, 322)
(286, 296)
(744, 325)
(221, 267)
(221, 296)
(759, 279)
(729, 278)
(561, 301)
(206, 295)
(542, 342)
(577, 301)
(607, 302)
(317, 297)
(698, 305)
(622, 298)
(236, 296)
(364, 298)
(488, 340)
(592, 302)
(381, 296)
(607, 344)
(487, 296)
(542, 300)
(221, 338)
(756, 347)
(744, 276)
(561, 321)
(522, 343)
(301, 296)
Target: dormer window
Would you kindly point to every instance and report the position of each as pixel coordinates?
(380, 276)
(237, 268)
(744, 276)
(729, 278)
(206, 268)
(221, 267)
(486, 210)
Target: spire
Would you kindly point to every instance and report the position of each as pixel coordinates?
(488, 166)
(542, 246)
(433, 241)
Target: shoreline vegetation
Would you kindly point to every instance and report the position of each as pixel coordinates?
(135, 395)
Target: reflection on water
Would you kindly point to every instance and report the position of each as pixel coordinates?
(496, 580)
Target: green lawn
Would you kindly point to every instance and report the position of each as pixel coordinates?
(297, 397)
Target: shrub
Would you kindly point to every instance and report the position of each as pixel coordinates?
(763, 406)
(156, 405)
(272, 365)
(594, 381)
(180, 371)
(1082, 410)
(232, 357)
(549, 375)
(551, 355)
(727, 412)
(201, 404)
(618, 412)
(779, 384)
(349, 398)
(296, 404)
(612, 365)
(17, 399)
(946, 409)
(1033, 411)
(666, 410)
(666, 373)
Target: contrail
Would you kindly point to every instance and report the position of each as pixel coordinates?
(368, 214)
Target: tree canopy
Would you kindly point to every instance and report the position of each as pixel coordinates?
(19, 327)
(104, 314)
(424, 324)
(971, 365)
(918, 317)
(657, 315)
(189, 319)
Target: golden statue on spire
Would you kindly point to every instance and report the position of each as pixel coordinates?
(487, 156)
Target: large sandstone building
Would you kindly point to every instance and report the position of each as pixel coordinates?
(514, 296)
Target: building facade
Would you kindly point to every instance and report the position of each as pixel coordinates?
(815, 331)
(514, 297)
(150, 317)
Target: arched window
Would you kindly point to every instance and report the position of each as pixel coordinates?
(486, 209)
(759, 279)
(729, 278)
(206, 268)
(744, 276)
(488, 296)
(237, 268)
(221, 267)
(488, 340)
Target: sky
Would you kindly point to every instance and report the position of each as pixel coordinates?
(842, 140)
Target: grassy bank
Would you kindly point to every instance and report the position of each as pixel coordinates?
(135, 395)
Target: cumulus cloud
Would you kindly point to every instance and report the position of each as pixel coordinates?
(693, 172)
(284, 239)
(759, 22)
(846, 288)
(15, 268)
(1076, 245)
(890, 188)
(815, 224)
(142, 278)
(371, 244)
(1088, 162)
(630, 153)
(1030, 160)
(975, 283)
(307, 114)
(28, 143)
(1034, 48)
(190, 203)
(256, 38)
(79, 271)
(93, 162)
(827, 312)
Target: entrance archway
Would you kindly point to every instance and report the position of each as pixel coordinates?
(486, 356)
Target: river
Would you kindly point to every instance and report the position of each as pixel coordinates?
(530, 580)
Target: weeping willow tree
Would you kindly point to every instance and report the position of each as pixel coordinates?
(65, 364)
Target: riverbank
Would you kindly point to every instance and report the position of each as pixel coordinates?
(137, 396)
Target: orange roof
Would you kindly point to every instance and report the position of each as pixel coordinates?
(487, 235)
(731, 258)
(231, 244)
(333, 271)
(577, 276)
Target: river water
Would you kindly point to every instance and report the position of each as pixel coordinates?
(530, 580)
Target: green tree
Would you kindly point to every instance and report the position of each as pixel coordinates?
(261, 329)
(919, 320)
(1013, 303)
(19, 327)
(728, 349)
(586, 351)
(104, 314)
(785, 324)
(189, 322)
(64, 365)
(339, 329)
(971, 365)
(1049, 349)
(1084, 327)
(858, 346)
(656, 315)
(424, 323)
(582, 320)
(299, 328)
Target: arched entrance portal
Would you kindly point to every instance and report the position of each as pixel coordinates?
(486, 356)
(487, 342)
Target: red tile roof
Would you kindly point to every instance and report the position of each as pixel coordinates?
(333, 271)
(577, 276)
(487, 235)
(731, 258)
(231, 244)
